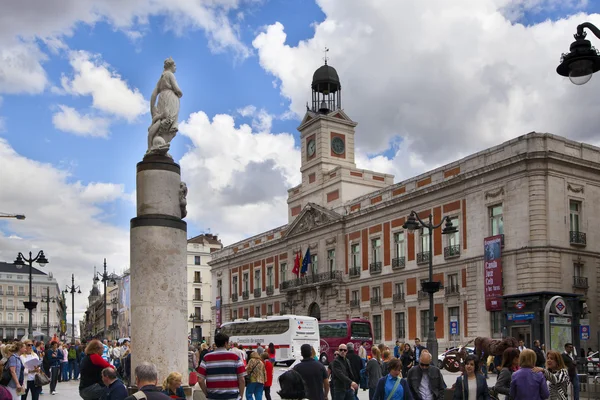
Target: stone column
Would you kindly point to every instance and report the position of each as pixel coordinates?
(158, 270)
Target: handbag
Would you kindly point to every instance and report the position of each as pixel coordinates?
(248, 376)
(41, 379)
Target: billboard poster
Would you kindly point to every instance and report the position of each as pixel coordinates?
(492, 270)
(218, 311)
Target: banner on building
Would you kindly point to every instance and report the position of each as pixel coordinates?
(218, 311)
(492, 271)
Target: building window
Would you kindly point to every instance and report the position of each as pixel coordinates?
(400, 326)
(21, 290)
(269, 309)
(197, 294)
(245, 313)
(376, 250)
(355, 295)
(454, 238)
(399, 244)
(235, 314)
(399, 289)
(10, 289)
(197, 260)
(257, 279)
(424, 324)
(355, 253)
(283, 272)
(198, 312)
(377, 328)
(197, 277)
(234, 284)
(21, 318)
(574, 215)
(44, 319)
(11, 303)
(219, 288)
(578, 270)
(314, 264)
(269, 276)
(257, 311)
(331, 260)
(246, 282)
(496, 323)
(496, 220)
(376, 290)
(424, 236)
(10, 317)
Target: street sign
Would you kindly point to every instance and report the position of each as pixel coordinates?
(584, 329)
(454, 326)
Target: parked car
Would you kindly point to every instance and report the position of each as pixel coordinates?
(593, 363)
(440, 363)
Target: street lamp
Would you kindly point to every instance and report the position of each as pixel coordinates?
(48, 300)
(17, 216)
(105, 278)
(20, 263)
(583, 59)
(72, 289)
(413, 223)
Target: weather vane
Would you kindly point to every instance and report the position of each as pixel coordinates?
(325, 58)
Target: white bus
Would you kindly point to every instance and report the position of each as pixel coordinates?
(286, 332)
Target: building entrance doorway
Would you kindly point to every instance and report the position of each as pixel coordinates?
(523, 333)
(314, 311)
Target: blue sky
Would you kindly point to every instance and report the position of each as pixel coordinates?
(428, 83)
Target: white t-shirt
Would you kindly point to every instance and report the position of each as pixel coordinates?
(424, 388)
(24, 359)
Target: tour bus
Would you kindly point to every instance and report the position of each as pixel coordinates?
(286, 332)
(335, 332)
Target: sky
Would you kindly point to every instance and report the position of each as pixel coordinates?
(428, 82)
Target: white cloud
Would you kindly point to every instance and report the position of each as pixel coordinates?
(236, 176)
(262, 121)
(110, 93)
(99, 192)
(21, 68)
(447, 78)
(69, 120)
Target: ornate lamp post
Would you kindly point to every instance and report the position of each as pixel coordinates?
(20, 263)
(412, 223)
(105, 277)
(72, 289)
(582, 60)
(48, 300)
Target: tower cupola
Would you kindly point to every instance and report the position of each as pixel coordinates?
(326, 89)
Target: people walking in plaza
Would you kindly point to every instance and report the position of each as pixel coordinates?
(521, 345)
(539, 354)
(221, 373)
(407, 358)
(115, 355)
(16, 370)
(172, 386)
(30, 373)
(386, 357)
(204, 351)
(72, 360)
(471, 385)
(425, 380)
(374, 371)
(64, 363)
(508, 365)
(259, 349)
(362, 351)
(343, 382)
(392, 386)
(398, 348)
(271, 352)
(146, 379)
(91, 385)
(54, 357)
(557, 376)
(418, 350)
(292, 387)
(269, 375)
(114, 387)
(571, 364)
(356, 363)
(313, 373)
(105, 351)
(525, 384)
(255, 378)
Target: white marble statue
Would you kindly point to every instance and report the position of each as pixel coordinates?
(183, 191)
(165, 113)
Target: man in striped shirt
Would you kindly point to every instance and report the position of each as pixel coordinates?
(221, 373)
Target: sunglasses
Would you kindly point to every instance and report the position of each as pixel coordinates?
(342, 350)
(424, 365)
(28, 344)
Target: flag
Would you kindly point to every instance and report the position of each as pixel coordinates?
(305, 262)
(296, 269)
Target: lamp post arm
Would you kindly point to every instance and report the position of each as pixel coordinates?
(590, 26)
(429, 224)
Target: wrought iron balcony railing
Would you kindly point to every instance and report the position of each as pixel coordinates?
(257, 292)
(234, 297)
(196, 318)
(245, 295)
(452, 290)
(197, 298)
(398, 298)
(375, 267)
(270, 290)
(313, 279)
(376, 301)
(422, 295)
(577, 238)
(452, 251)
(197, 280)
(355, 303)
(354, 272)
(423, 257)
(398, 263)
(580, 282)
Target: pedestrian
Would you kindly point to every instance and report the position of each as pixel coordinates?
(146, 379)
(356, 364)
(362, 351)
(116, 355)
(30, 373)
(271, 352)
(521, 345)
(115, 388)
(172, 386)
(342, 380)
(313, 373)
(54, 356)
(259, 349)
(79, 354)
(539, 354)
(407, 358)
(571, 364)
(526, 385)
(72, 359)
(292, 386)
(398, 349)
(374, 371)
(425, 381)
(417, 350)
(64, 363)
(221, 373)
(269, 372)
(556, 374)
(471, 385)
(508, 365)
(255, 377)
(91, 385)
(393, 386)
(105, 351)
(17, 371)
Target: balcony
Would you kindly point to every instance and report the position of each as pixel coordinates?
(245, 295)
(398, 263)
(257, 293)
(375, 267)
(197, 280)
(323, 278)
(423, 258)
(452, 251)
(422, 295)
(10, 293)
(196, 318)
(256, 315)
(577, 238)
(376, 301)
(398, 298)
(270, 290)
(452, 290)
(234, 297)
(21, 294)
(354, 272)
(269, 313)
(355, 303)
(580, 282)
(198, 298)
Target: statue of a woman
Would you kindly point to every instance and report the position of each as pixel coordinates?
(165, 113)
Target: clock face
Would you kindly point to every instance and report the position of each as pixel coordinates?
(311, 147)
(337, 145)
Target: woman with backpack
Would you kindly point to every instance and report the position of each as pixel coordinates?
(374, 370)
(13, 373)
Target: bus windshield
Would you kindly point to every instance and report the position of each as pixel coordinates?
(360, 330)
(254, 328)
(333, 330)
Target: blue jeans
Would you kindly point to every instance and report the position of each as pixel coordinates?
(254, 391)
(64, 367)
(347, 394)
(576, 388)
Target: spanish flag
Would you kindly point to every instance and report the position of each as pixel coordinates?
(297, 263)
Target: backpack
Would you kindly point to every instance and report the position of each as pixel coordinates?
(72, 354)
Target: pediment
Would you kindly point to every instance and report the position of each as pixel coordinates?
(312, 217)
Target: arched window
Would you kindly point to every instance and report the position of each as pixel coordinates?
(21, 318)
(10, 317)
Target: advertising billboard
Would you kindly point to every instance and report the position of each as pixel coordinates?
(492, 271)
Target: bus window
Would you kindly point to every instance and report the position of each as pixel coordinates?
(360, 330)
(333, 330)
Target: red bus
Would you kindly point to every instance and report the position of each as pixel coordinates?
(335, 332)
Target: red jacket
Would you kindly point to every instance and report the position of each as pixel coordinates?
(269, 369)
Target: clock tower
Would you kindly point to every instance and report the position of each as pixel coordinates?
(329, 174)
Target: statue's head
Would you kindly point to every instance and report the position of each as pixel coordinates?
(169, 64)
